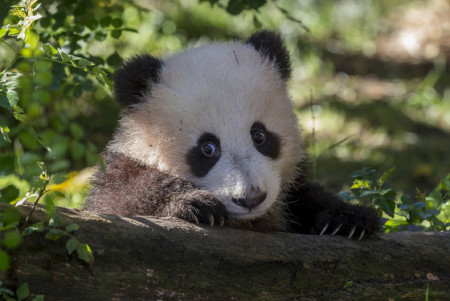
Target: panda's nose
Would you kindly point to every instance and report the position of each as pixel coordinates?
(250, 201)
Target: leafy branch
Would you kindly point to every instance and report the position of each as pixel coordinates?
(40, 193)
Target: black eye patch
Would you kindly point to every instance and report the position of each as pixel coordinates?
(202, 157)
(270, 145)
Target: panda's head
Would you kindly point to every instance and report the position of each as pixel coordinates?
(218, 116)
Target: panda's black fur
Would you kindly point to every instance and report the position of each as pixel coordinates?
(164, 167)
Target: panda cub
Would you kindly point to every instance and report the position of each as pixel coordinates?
(210, 136)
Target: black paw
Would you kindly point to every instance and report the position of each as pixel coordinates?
(348, 220)
(202, 207)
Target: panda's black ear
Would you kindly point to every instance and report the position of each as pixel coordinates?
(135, 78)
(270, 45)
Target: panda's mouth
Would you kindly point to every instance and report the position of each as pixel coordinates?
(251, 214)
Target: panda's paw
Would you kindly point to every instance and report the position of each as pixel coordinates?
(349, 220)
(202, 207)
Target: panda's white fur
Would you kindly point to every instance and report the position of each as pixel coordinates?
(222, 89)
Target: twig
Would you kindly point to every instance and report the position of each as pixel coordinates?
(40, 195)
(314, 167)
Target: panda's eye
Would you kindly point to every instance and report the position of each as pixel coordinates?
(209, 149)
(259, 137)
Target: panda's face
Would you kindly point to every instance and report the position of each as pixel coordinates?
(219, 117)
(243, 172)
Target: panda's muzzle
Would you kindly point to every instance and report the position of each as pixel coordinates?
(251, 201)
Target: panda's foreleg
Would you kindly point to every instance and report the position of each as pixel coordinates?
(128, 188)
(313, 210)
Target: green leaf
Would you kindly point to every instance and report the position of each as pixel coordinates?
(55, 221)
(388, 207)
(59, 166)
(406, 199)
(346, 196)
(72, 227)
(369, 193)
(434, 196)
(84, 253)
(117, 22)
(106, 21)
(50, 207)
(100, 36)
(4, 130)
(58, 178)
(49, 49)
(91, 23)
(38, 298)
(235, 7)
(83, 63)
(255, 4)
(12, 239)
(23, 292)
(28, 159)
(42, 96)
(4, 260)
(3, 31)
(403, 207)
(32, 229)
(77, 150)
(114, 59)
(420, 205)
(9, 194)
(54, 234)
(64, 57)
(116, 33)
(72, 245)
(384, 177)
(445, 184)
(11, 216)
(76, 130)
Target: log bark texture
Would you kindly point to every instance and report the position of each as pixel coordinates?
(149, 258)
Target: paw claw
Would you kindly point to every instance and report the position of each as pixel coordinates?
(352, 232)
(324, 229)
(362, 234)
(211, 220)
(196, 220)
(337, 229)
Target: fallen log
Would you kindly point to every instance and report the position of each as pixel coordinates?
(149, 258)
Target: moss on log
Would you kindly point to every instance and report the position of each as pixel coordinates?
(149, 258)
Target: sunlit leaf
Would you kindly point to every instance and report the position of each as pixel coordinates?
(49, 49)
(384, 177)
(3, 31)
(64, 57)
(84, 253)
(4, 131)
